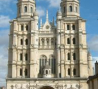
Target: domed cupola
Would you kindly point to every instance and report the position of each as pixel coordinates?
(59, 13)
(70, 8)
(47, 71)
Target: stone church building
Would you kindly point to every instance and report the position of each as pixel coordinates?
(50, 56)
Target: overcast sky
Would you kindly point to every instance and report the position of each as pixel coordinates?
(8, 9)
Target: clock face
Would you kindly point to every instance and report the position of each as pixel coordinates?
(47, 27)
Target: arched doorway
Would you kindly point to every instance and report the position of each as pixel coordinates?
(46, 87)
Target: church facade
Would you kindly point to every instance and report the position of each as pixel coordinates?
(52, 56)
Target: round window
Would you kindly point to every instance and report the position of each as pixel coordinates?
(47, 27)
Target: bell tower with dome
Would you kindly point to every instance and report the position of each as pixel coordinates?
(26, 8)
(50, 56)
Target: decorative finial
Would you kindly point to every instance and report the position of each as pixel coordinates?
(59, 9)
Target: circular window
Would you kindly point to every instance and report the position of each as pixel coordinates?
(47, 27)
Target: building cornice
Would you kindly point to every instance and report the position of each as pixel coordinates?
(47, 79)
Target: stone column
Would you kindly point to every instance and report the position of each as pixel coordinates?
(13, 71)
(80, 62)
(31, 55)
(15, 25)
(80, 39)
(70, 27)
(49, 42)
(58, 62)
(66, 71)
(32, 63)
(19, 27)
(71, 71)
(14, 39)
(45, 43)
(71, 55)
(62, 63)
(23, 71)
(64, 27)
(14, 57)
(58, 55)
(22, 10)
(36, 40)
(32, 41)
(40, 43)
(23, 54)
(80, 53)
(74, 8)
(29, 8)
(32, 24)
(24, 26)
(18, 71)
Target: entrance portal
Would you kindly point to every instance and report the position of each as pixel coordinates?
(46, 87)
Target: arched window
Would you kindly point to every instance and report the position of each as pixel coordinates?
(68, 56)
(25, 9)
(21, 41)
(59, 75)
(73, 27)
(68, 40)
(43, 60)
(21, 72)
(47, 42)
(26, 57)
(52, 41)
(74, 41)
(43, 42)
(21, 56)
(64, 9)
(74, 56)
(69, 71)
(26, 72)
(52, 65)
(46, 71)
(68, 27)
(31, 10)
(70, 8)
(26, 41)
(26, 27)
(74, 71)
(22, 27)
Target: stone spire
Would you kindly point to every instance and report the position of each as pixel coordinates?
(53, 21)
(47, 15)
(41, 23)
